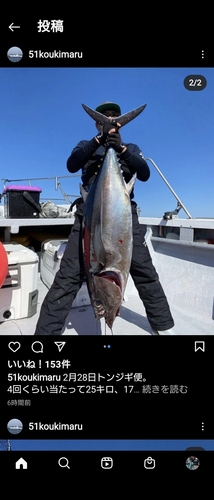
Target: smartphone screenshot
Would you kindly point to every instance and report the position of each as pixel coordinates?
(107, 257)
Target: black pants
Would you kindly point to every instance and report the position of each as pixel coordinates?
(69, 279)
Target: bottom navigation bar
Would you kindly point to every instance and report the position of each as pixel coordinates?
(139, 462)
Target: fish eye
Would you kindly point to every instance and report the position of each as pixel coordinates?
(98, 303)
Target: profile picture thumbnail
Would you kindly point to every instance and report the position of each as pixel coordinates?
(14, 54)
(192, 463)
(14, 426)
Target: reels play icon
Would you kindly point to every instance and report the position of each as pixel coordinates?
(107, 463)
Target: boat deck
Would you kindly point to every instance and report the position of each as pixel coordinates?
(184, 259)
(132, 320)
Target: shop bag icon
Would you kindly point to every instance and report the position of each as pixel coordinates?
(149, 463)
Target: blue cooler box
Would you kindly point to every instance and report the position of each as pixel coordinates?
(21, 202)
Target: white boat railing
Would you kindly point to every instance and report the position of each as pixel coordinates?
(180, 203)
(68, 196)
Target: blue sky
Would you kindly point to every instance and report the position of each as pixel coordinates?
(42, 120)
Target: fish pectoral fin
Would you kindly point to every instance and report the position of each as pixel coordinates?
(83, 193)
(103, 250)
(130, 184)
(107, 254)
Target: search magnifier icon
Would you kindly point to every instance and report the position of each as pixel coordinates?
(63, 462)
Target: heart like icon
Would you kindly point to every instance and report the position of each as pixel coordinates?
(14, 346)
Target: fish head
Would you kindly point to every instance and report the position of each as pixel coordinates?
(107, 296)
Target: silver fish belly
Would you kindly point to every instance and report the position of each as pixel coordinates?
(107, 238)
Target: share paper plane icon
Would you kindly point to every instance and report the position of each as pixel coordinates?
(60, 345)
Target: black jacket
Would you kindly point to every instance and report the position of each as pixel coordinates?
(87, 155)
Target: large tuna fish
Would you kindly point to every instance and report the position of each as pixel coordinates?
(107, 230)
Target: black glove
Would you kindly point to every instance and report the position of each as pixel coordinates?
(102, 136)
(114, 141)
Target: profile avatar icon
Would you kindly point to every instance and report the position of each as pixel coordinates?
(192, 463)
(14, 426)
(14, 54)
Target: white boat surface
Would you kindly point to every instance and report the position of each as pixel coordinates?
(182, 250)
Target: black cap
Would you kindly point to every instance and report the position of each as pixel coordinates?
(108, 106)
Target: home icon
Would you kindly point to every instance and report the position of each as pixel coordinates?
(21, 464)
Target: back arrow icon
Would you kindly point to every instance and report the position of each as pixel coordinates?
(11, 27)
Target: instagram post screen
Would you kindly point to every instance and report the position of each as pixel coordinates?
(106, 261)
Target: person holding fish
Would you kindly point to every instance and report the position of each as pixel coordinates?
(106, 241)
